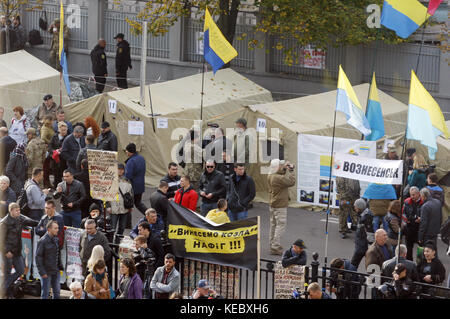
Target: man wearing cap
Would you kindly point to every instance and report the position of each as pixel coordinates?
(99, 65)
(204, 291)
(35, 151)
(392, 153)
(295, 255)
(48, 107)
(279, 180)
(123, 61)
(135, 173)
(403, 285)
(107, 141)
(54, 48)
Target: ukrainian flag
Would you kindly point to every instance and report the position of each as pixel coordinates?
(62, 53)
(217, 50)
(403, 16)
(347, 103)
(374, 114)
(425, 119)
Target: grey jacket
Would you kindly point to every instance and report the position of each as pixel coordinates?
(36, 198)
(173, 282)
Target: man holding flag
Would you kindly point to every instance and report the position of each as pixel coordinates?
(55, 51)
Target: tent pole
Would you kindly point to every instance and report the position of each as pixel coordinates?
(151, 108)
(329, 189)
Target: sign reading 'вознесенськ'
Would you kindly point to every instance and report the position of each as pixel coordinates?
(368, 169)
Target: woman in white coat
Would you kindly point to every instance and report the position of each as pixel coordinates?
(19, 126)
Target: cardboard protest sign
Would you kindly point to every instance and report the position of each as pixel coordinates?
(74, 266)
(288, 279)
(103, 175)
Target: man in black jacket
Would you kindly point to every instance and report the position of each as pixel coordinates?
(172, 179)
(389, 265)
(294, 255)
(82, 154)
(212, 187)
(71, 147)
(48, 260)
(89, 239)
(123, 61)
(7, 145)
(11, 244)
(242, 192)
(153, 242)
(107, 141)
(99, 65)
(430, 218)
(72, 195)
(159, 201)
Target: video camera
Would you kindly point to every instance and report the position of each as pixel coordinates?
(165, 242)
(298, 294)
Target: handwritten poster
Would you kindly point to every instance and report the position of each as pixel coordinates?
(103, 175)
(288, 279)
(135, 128)
(74, 268)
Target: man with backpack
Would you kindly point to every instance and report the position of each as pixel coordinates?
(35, 197)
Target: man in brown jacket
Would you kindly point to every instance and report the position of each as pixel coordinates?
(380, 250)
(281, 177)
(48, 107)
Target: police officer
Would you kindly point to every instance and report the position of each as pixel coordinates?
(123, 61)
(99, 65)
(54, 48)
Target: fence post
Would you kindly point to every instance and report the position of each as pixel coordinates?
(176, 40)
(315, 267)
(96, 16)
(261, 57)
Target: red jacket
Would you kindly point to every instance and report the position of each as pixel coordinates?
(187, 198)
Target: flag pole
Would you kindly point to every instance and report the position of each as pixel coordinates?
(329, 189)
(202, 92)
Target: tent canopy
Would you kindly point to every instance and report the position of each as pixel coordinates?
(179, 102)
(24, 80)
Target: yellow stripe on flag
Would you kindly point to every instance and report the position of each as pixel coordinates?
(217, 42)
(373, 90)
(61, 30)
(344, 84)
(420, 97)
(413, 9)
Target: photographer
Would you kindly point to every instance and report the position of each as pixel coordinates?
(281, 177)
(145, 261)
(344, 284)
(402, 287)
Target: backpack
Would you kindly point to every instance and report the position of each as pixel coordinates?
(34, 37)
(22, 200)
(445, 231)
(128, 200)
(43, 21)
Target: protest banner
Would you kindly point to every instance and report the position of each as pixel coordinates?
(368, 169)
(288, 279)
(223, 279)
(193, 236)
(312, 58)
(103, 175)
(35, 242)
(74, 268)
(27, 251)
(314, 165)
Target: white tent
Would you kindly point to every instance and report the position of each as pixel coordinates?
(24, 80)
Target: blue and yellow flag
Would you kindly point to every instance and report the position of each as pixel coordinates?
(62, 53)
(347, 103)
(217, 50)
(425, 119)
(403, 16)
(374, 114)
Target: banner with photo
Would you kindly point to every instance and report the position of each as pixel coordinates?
(74, 268)
(193, 236)
(314, 165)
(27, 250)
(370, 170)
(103, 175)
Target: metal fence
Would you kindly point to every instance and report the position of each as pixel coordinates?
(115, 22)
(244, 32)
(393, 64)
(78, 37)
(277, 62)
